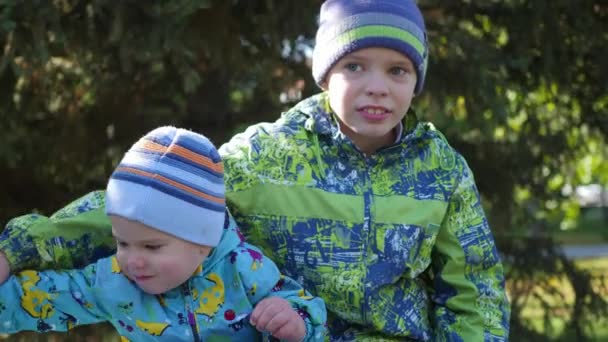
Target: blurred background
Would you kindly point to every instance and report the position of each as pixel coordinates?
(519, 87)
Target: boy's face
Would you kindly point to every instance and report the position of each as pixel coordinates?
(370, 90)
(156, 261)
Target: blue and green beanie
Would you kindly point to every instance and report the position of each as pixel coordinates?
(172, 180)
(346, 26)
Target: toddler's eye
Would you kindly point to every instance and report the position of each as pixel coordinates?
(153, 247)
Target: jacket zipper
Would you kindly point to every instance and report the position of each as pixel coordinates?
(190, 314)
(367, 228)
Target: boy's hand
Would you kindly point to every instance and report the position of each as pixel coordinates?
(276, 316)
(5, 269)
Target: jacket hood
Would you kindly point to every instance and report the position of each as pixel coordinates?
(231, 239)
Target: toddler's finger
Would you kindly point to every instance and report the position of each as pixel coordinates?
(262, 314)
(292, 331)
(277, 321)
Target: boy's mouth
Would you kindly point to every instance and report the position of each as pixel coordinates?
(374, 112)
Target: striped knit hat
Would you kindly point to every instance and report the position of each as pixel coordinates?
(172, 180)
(346, 26)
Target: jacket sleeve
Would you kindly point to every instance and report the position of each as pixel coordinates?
(241, 177)
(261, 277)
(469, 296)
(75, 236)
(50, 301)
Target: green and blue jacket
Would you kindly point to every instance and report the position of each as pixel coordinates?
(397, 242)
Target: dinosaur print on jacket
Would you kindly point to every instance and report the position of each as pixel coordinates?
(60, 300)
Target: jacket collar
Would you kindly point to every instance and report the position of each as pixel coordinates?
(231, 239)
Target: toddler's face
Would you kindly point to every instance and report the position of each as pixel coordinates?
(371, 90)
(156, 261)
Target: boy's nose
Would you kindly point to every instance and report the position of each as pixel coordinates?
(376, 85)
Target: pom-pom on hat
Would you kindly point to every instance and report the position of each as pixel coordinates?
(172, 180)
(346, 26)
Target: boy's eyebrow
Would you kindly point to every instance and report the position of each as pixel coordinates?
(403, 64)
(354, 55)
(399, 62)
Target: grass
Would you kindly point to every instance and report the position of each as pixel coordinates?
(592, 228)
(560, 301)
(89, 333)
(580, 238)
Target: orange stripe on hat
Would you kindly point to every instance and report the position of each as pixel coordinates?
(183, 152)
(172, 183)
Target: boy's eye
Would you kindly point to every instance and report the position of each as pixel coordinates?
(122, 244)
(397, 71)
(352, 66)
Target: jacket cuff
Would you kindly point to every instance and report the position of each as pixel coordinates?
(313, 333)
(17, 245)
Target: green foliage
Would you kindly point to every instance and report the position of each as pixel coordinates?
(519, 87)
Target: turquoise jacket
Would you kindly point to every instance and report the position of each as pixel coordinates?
(213, 305)
(397, 243)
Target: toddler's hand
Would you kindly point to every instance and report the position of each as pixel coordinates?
(276, 316)
(5, 269)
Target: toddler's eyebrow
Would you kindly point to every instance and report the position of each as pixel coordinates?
(151, 241)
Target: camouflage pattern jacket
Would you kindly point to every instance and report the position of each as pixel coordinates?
(397, 242)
